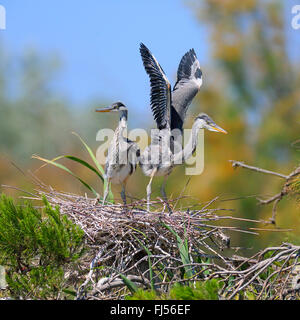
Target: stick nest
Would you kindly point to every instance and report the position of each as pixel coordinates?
(153, 250)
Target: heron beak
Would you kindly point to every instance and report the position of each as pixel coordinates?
(106, 109)
(219, 129)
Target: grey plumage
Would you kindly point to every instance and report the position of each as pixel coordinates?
(169, 111)
(189, 82)
(169, 108)
(123, 154)
(160, 88)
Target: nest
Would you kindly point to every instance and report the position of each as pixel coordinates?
(151, 249)
(273, 273)
(154, 250)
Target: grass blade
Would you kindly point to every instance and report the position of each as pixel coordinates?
(73, 158)
(129, 284)
(170, 274)
(98, 165)
(58, 165)
(183, 250)
(86, 164)
(149, 261)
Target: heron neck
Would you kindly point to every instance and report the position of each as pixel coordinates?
(123, 123)
(123, 115)
(190, 147)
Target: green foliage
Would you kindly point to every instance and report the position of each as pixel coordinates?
(149, 262)
(38, 283)
(295, 188)
(98, 170)
(99, 167)
(250, 295)
(35, 247)
(201, 290)
(60, 166)
(183, 250)
(144, 295)
(129, 284)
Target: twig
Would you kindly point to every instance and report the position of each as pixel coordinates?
(277, 197)
(236, 164)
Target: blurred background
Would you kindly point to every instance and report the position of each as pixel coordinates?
(59, 60)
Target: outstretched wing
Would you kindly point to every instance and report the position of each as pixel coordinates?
(189, 81)
(160, 88)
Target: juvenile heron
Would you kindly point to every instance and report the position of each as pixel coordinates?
(188, 84)
(159, 158)
(122, 154)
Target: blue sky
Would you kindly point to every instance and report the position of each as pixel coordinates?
(98, 42)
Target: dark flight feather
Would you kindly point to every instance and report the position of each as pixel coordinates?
(189, 81)
(160, 88)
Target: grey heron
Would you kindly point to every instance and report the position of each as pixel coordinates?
(122, 154)
(188, 84)
(169, 110)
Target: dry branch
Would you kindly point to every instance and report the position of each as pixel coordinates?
(277, 197)
(279, 283)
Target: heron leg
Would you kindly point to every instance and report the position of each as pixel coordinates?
(106, 191)
(123, 194)
(149, 189)
(163, 193)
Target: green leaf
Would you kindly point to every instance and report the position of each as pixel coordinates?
(149, 261)
(143, 295)
(100, 168)
(129, 284)
(58, 165)
(142, 233)
(183, 250)
(98, 165)
(70, 292)
(82, 162)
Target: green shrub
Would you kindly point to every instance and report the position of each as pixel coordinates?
(202, 290)
(36, 248)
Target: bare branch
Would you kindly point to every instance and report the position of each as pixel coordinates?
(277, 197)
(236, 164)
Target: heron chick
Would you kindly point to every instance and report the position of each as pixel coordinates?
(169, 111)
(123, 154)
(158, 159)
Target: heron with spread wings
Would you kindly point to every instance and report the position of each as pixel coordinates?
(169, 111)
